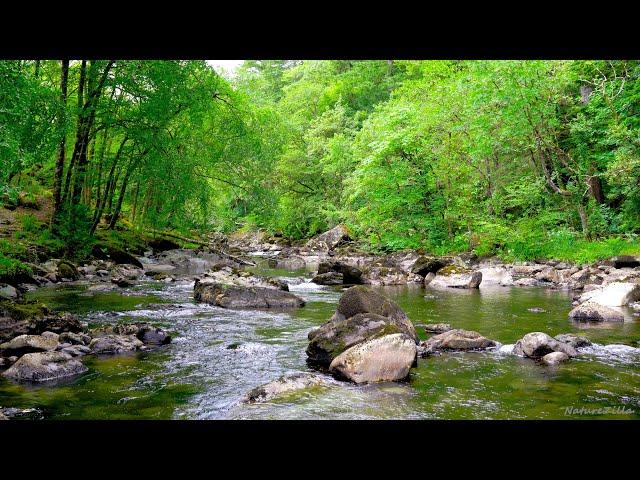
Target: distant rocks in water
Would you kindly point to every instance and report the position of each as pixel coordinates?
(67, 270)
(370, 335)
(116, 255)
(284, 385)
(575, 341)
(536, 310)
(332, 271)
(44, 366)
(592, 311)
(328, 278)
(625, 261)
(425, 265)
(388, 275)
(495, 275)
(436, 327)
(330, 239)
(149, 334)
(456, 277)
(615, 294)
(145, 332)
(233, 296)
(554, 358)
(458, 339)
(380, 359)
(538, 344)
(230, 288)
(20, 318)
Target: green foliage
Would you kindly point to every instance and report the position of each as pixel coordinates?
(12, 270)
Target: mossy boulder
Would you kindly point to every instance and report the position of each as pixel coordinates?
(67, 270)
(335, 336)
(426, 264)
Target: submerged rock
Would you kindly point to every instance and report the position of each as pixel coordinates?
(592, 311)
(458, 339)
(43, 366)
(284, 385)
(381, 359)
(538, 344)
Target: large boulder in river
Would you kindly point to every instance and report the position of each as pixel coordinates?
(458, 339)
(382, 359)
(43, 366)
(538, 344)
(336, 336)
(615, 294)
(361, 299)
(284, 385)
(330, 239)
(592, 311)
(28, 344)
(362, 314)
(455, 276)
(235, 296)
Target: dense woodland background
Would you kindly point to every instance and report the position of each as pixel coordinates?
(522, 159)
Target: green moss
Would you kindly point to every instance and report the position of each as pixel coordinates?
(24, 311)
(13, 271)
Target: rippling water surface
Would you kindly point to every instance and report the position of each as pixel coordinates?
(218, 355)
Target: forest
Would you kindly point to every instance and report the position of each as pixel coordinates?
(519, 159)
(321, 239)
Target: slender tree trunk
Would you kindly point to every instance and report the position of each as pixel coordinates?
(79, 126)
(123, 189)
(108, 188)
(584, 221)
(57, 179)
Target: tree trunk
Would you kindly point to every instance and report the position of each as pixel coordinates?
(57, 179)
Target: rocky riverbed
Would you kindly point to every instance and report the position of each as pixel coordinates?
(194, 334)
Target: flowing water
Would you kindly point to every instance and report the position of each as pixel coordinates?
(218, 355)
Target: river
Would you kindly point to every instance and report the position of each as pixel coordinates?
(218, 355)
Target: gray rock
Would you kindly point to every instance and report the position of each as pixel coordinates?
(615, 294)
(328, 278)
(574, 340)
(286, 384)
(330, 239)
(458, 339)
(153, 335)
(28, 344)
(452, 277)
(75, 338)
(233, 296)
(591, 311)
(77, 350)
(336, 336)
(437, 327)
(538, 344)
(554, 358)
(381, 359)
(425, 265)
(625, 261)
(110, 344)
(43, 366)
(7, 292)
